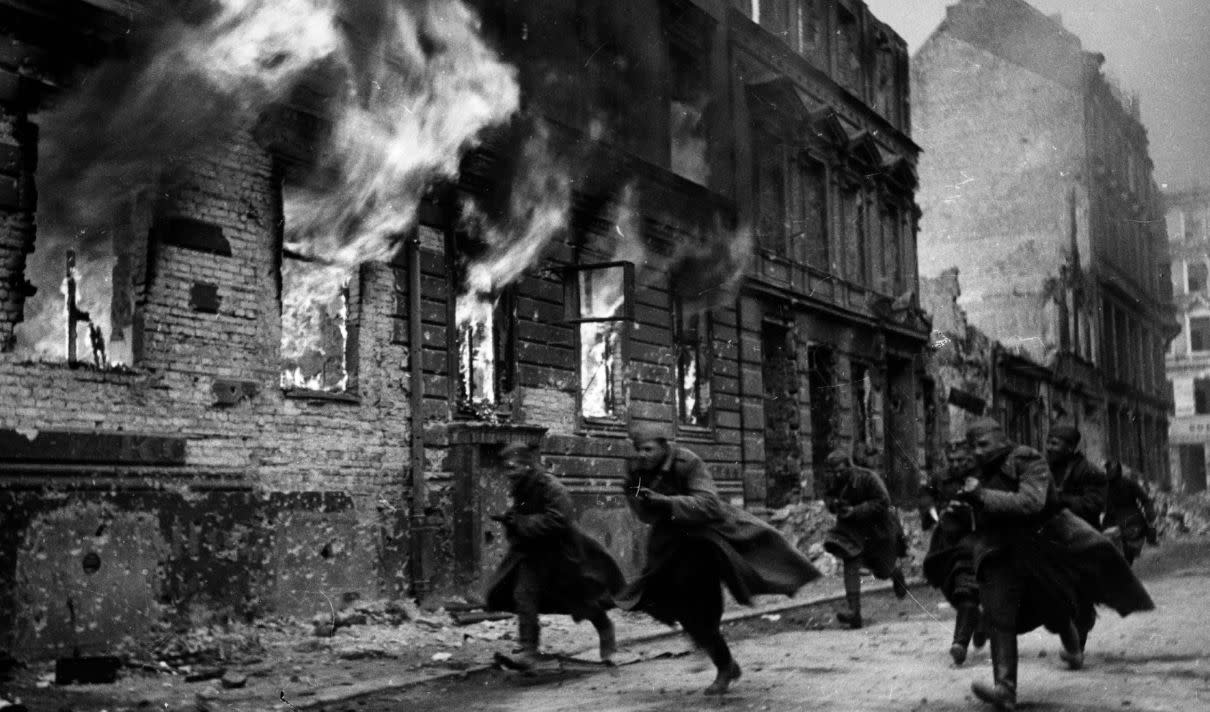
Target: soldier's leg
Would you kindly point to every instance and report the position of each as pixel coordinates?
(1000, 596)
(609, 643)
(527, 593)
(852, 594)
(701, 615)
(964, 628)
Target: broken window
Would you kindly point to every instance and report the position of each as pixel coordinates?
(81, 309)
(1199, 333)
(692, 337)
(1195, 226)
(1197, 277)
(483, 322)
(315, 324)
(598, 297)
(867, 407)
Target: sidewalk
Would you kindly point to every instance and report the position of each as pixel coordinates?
(288, 667)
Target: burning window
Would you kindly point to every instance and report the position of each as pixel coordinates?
(483, 321)
(82, 311)
(599, 298)
(315, 343)
(867, 407)
(692, 336)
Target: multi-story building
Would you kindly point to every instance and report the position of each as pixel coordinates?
(1037, 185)
(1189, 354)
(278, 288)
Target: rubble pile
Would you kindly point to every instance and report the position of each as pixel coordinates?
(1181, 515)
(805, 524)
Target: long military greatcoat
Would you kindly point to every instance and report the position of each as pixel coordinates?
(949, 564)
(752, 557)
(1082, 488)
(579, 575)
(873, 531)
(1065, 564)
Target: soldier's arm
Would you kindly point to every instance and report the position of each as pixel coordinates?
(700, 503)
(1088, 498)
(1030, 497)
(875, 498)
(554, 518)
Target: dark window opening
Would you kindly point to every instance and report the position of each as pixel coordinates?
(1201, 396)
(688, 50)
(1199, 333)
(855, 236)
(1197, 277)
(821, 377)
(692, 337)
(809, 234)
(770, 193)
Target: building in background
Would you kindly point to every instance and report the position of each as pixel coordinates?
(269, 360)
(1189, 354)
(1037, 185)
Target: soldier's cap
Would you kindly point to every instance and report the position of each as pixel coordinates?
(958, 445)
(838, 457)
(646, 432)
(1066, 432)
(983, 426)
(520, 451)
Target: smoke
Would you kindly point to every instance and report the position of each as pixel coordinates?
(707, 273)
(413, 86)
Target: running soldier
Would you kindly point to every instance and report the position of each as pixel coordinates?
(551, 566)
(949, 565)
(867, 531)
(1036, 563)
(697, 543)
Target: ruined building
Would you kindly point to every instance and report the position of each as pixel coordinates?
(278, 279)
(1037, 186)
(1189, 354)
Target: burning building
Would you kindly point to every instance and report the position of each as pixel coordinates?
(281, 277)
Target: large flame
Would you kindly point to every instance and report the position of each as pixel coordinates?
(414, 87)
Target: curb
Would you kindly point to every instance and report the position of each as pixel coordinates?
(374, 687)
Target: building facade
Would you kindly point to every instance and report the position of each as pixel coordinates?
(1037, 185)
(1189, 354)
(697, 213)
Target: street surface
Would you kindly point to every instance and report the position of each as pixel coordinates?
(1145, 663)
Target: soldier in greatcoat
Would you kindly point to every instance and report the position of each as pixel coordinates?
(697, 543)
(949, 564)
(867, 530)
(1035, 561)
(1129, 512)
(551, 566)
(1081, 484)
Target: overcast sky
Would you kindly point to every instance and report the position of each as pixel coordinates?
(1155, 48)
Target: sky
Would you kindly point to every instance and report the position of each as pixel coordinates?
(1159, 49)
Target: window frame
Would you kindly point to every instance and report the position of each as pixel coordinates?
(571, 313)
(352, 327)
(704, 366)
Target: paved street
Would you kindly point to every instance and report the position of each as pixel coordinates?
(1153, 662)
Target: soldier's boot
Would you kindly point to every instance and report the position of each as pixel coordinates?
(727, 669)
(528, 632)
(1002, 693)
(605, 632)
(964, 629)
(1073, 647)
(852, 596)
(899, 584)
(979, 637)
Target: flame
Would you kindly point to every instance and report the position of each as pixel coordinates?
(539, 209)
(424, 87)
(314, 325)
